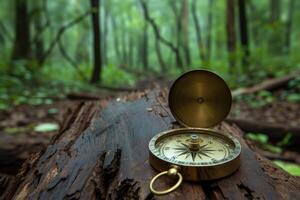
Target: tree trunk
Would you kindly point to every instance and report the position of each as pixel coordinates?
(39, 42)
(101, 152)
(123, 42)
(144, 47)
(289, 23)
(159, 56)
(104, 33)
(116, 38)
(21, 47)
(231, 36)
(209, 29)
(97, 68)
(200, 44)
(185, 32)
(275, 10)
(130, 45)
(244, 32)
(275, 39)
(158, 36)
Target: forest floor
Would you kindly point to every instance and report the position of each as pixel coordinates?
(24, 119)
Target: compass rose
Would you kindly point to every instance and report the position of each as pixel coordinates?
(184, 149)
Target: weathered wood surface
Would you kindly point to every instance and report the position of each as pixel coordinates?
(101, 152)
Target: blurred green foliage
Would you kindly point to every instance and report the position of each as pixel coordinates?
(291, 168)
(29, 82)
(263, 141)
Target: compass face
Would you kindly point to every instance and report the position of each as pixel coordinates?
(194, 148)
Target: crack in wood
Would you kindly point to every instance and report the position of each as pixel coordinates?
(112, 169)
(91, 172)
(247, 192)
(69, 118)
(103, 177)
(150, 196)
(128, 189)
(98, 179)
(4, 183)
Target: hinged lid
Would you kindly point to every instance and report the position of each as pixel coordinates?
(200, 99)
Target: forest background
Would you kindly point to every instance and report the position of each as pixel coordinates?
(53, 51)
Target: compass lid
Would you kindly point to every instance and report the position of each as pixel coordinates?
(199, 98)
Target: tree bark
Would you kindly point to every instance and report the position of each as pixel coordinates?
(97, 67)
(230, 31)
(21, 47)
(101, 152)
(244, 32)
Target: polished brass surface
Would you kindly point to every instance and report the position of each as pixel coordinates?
(194, 142)
(173, 171)
(195, 171)
(199, 98)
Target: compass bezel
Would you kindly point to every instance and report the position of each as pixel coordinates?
(228, 138)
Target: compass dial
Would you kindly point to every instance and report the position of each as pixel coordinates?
(195, 148)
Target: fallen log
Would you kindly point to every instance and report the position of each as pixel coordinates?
(269, 84)
(101, 152)
(275, 132)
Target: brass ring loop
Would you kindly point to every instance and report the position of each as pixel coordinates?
(162, 192)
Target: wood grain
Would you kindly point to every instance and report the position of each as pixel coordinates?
(101, 152)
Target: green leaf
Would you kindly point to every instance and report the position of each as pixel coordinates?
(272, 148)
(259, 137)
(18, 130)
(52, 111)
(293, 98)
(46, 127)
(286, 140)
(291, 168)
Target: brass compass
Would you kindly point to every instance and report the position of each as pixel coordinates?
(198, 99)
